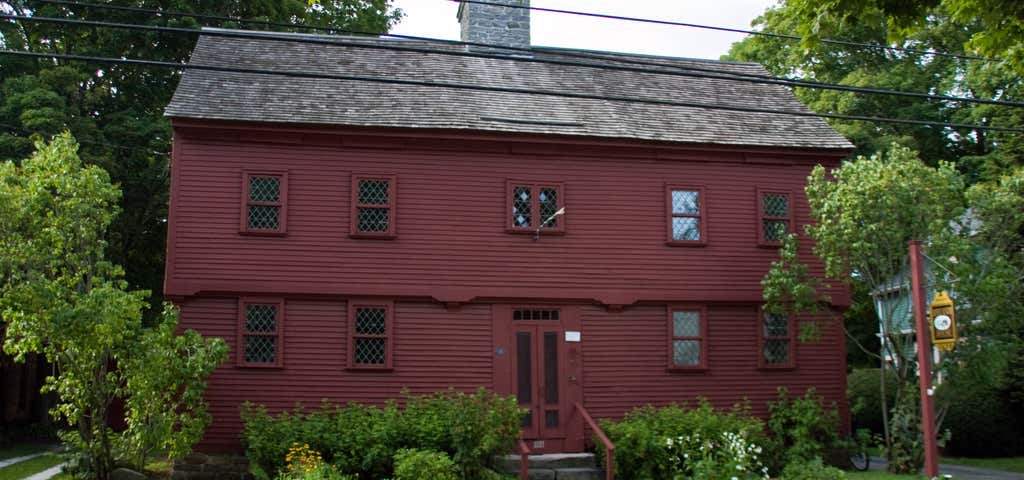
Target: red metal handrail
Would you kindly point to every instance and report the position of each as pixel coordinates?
(609, 448)
(524, 460)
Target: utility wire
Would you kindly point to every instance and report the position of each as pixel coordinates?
(524, 91)
(734, 30)
(662, 69)
(528, 50)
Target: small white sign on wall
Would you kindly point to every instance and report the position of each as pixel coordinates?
(571, 336)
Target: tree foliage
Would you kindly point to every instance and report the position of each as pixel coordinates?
(997, 26)
(981, 155)
(116, 112)
(61, 298)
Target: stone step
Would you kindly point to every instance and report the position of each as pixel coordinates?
(566, 474)
(549, 461)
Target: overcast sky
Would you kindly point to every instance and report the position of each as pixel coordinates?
(436, 18)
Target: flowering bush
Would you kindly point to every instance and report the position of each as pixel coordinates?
(682, 442)
(730, 455)
(304, 463)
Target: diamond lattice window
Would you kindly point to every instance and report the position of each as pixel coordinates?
(373, 206)
(264, 203)
(687, 333)
(522, 210)
(371, 333)
(685, 212)
(260, 329)
(535, 205)
(777, 340)
(775, 217)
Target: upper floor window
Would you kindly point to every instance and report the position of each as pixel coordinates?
(370, 327)
(775, 217)
(686, 223)
(687, 338)
(259, 332)
(373, 206)
(264, 195)
(776, 334)
(533, 206)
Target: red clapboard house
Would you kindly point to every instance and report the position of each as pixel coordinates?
(350, 238)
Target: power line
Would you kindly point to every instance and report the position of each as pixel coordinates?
(734, 30)
(662, 69)
(525, 91)
(571, 54)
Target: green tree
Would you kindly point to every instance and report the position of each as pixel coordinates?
(61, 298)
(997, 26)
(116, 112)
(865, 213)
(980, 154)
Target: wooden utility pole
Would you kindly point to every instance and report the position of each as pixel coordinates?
(924, 360)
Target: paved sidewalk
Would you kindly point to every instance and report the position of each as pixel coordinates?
(961, 471)
(12, 461)
(46, 474)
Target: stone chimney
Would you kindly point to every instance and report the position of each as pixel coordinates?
(497, 25)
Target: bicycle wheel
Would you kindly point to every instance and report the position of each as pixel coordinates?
(860, 460)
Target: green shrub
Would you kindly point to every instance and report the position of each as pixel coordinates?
(863, 390)
(982, 421)
(811, 470)
(470, 428)
(801, 429)
(660, 443)
(413, 464)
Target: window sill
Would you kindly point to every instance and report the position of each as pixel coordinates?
(260, 366)
(263, 233)
(686, 243)
(771, 368)
(370, 369)
(373, 236)
(526, 231)
(687, 369)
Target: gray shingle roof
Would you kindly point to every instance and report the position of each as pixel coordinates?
(274, 98)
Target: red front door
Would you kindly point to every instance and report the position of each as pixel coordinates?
(544, 379)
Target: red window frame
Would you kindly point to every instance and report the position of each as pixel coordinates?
(278, 333)
(701, 215)
(763, 338)
(389, 325)
(702, 311)
(761, 217)
(282, 203)
(535, 187)
(354, 231)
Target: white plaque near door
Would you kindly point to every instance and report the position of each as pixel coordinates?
(571, 336)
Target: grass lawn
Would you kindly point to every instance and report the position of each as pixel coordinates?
(28, 467)
(1013, 464)
(880, 476)
(21, 450)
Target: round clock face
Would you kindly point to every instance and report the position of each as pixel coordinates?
(943, 322)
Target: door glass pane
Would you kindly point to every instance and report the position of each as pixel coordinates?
(550, 367)
(524, 367)
(551, 418)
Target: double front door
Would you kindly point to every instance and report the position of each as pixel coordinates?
(545, 354)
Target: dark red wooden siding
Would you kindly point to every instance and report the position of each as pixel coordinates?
(624, 362)
(434, 349)
(451, 215)
(452, 260)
